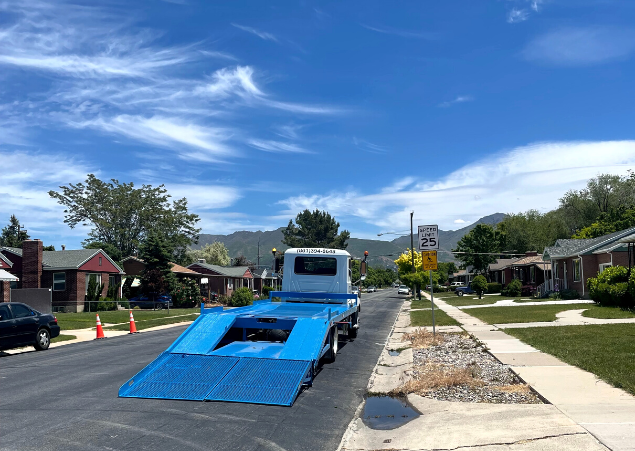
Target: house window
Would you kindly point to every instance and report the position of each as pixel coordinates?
(603, 266)
(59, 281)
(13, 285)
(99, 261)
(96, 277)
(576, 270)
(503, 278)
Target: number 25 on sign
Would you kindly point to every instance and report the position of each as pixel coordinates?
(428, 237)
(429, 260)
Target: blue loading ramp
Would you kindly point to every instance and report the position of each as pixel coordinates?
(200, 366)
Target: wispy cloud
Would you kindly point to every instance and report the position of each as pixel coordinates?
(402, 33)
(581, 46)
(276, 146)
(507, 182)
(517, 15)
(458, 99)
(261, 34)
(368, 146)
(522, 10)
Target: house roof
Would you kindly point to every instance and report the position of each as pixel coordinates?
(501, 263)
(7, 277)
(177, 269)
(6, 260)
(69, 259)
(571, 247)
(528, 261)
(228, 271)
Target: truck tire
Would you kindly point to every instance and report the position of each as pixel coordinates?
(352, 331)
(334, 342)
(459, 293)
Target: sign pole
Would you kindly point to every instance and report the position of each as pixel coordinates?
(434, 332)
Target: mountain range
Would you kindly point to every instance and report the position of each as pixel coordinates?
(381, 253)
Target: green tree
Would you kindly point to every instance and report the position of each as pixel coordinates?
(157, 277)
(479, 284)
(241, 297)
(476, 244)
(613, 221)
(109, 249)
(241, 260)
(10, 236)
(315, 229)
(123, 216)
(214, 254)
(531, 231)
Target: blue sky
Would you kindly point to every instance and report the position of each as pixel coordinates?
(256, 110)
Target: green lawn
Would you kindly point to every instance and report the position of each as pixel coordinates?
(596, 311)
(424, 318)
(607, 350)
(423, 303)
(72, 321)
(521, 314)
(153, 322)
(63, 338)
(468, 300)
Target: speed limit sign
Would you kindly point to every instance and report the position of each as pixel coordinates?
(428, 237)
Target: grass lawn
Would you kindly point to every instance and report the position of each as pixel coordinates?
(63, 338)
(469, 300)
(72, 321)
(595, 311)
(521, 314)
(153, 322)
(424, 318)
(607, 350)
(423, 303)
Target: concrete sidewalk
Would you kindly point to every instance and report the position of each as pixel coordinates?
(605, 411)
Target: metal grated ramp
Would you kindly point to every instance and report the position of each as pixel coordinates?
(262, 381)
(178, 376)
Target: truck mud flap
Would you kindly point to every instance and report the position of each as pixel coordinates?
(178, 376)
(262, 381)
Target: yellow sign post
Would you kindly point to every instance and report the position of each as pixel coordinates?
(429, 260)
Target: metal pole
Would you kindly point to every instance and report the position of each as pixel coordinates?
(434, 332)
(412, 252)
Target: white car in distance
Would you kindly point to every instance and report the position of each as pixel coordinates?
(403, 290)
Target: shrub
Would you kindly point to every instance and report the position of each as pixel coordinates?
(124, 303)
(494, 287)
(186, 294)
(613, 288)
(513, 288)
(567, 295)
(241, 297)
(479, 284)
(104, 304)
(266, 291)
(223, 299)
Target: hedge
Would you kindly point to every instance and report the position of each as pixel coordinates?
(513, 288)
(494, 287)
(613, 288)
(241, 297)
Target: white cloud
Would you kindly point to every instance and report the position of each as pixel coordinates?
(458, 99)
(276, 146)
(533, 176)
(517, 15)
(261, 34)
(459, 221)
(367, 146)
(202, 197)
(581, 46)
(402, 33)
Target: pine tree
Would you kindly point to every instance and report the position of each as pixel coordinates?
(12, 236)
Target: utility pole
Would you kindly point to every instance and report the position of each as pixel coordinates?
(258, 253)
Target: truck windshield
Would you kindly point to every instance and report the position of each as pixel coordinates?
(315, 266)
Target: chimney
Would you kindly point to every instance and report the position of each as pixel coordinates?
(201, 260)
(31, 264)
(63, 247)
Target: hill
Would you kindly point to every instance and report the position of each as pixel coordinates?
(382, 253)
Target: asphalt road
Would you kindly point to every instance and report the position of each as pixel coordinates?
(66, 398)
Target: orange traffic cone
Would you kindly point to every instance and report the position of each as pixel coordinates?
(100, 330)
(133, 328)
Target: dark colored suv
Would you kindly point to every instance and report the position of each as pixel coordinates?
(20, 325)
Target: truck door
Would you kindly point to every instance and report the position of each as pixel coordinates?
(7, 325)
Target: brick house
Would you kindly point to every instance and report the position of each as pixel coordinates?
(501, 271)
(65, 272)
(573, 262)
(223, 279)
(134, 266)
(6, 279)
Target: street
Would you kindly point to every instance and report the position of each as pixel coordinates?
(66, 398)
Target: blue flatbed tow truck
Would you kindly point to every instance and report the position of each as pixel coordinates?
(264, 353)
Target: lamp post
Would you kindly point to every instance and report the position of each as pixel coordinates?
(273, 266)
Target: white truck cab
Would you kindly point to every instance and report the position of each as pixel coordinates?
(317, 270)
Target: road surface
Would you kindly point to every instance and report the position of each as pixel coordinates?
(66, 398)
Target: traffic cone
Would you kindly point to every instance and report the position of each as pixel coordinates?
(133, 328)
(100, 330)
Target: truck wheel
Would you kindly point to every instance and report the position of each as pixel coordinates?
(460, 293)
(352, 331)
(334, 341)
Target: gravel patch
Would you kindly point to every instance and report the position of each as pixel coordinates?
(492, 382)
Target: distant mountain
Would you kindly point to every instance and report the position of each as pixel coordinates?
(381, 253)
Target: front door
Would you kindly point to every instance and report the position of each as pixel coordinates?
(26, 323)
(7, 325)
(564, 270)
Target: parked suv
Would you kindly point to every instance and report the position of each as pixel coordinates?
(460, 291)
(157, 301)
(457, 284)
(20, 325)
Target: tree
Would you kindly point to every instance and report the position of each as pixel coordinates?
(123, 216)
(530, 231)
(480, 240)
(315, 229)
(12, 236)
(241, 260)
(613, 221)
(414, 279)
(157, 277)
(213, 254)
(479, 284)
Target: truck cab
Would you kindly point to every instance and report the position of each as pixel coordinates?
(308, 270)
